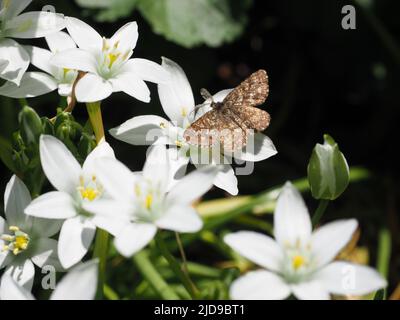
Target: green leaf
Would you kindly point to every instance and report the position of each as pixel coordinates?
(328, 172)
(6, 153)
(195, 22)
(110, 10)
(187, 23)
(380, 295)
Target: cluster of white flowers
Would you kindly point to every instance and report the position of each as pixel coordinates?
(133, 206)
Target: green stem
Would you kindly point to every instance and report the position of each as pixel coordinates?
(176, 267)
(323, 204)
(150, 273)
(100, 252)
(96, 119)
(384, 250)
(102, 237)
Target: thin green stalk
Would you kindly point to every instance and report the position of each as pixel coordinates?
(96, 119)
(100, 252)
(176, 267)
(323, 204)
(150, 273)
(384, 251)
(102, 237)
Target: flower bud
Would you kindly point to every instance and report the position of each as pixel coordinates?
(328, 172)
(30, 126)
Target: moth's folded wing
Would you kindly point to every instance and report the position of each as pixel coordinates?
(251, 92)
(215, 129)
(254, 118)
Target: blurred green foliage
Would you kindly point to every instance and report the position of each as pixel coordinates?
(188, 23)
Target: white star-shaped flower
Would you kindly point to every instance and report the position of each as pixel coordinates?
(299, 261)
(107, 63)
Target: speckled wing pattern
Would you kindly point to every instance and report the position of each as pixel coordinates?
(231, 122)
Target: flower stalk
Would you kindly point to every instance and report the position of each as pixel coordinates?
(96, 119)
(323, 204)
(176, 267)
(102, 237)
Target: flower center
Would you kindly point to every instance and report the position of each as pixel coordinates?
(112, 56)
(18, 241)
(298, 261)
(90, 191)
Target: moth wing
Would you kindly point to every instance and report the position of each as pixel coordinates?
(251, 92)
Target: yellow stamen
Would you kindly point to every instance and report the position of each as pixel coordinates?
(149, 201)
(113, 57)
(138, 190)
(184, 112)
(13, 228)
(15, 251)
(5, 248)
(162, 125)
(298, 261)
(89, 193)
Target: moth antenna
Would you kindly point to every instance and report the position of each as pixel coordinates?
(206, 95)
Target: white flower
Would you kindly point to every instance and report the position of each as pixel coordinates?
(76, 187)
(108, 63)
(178, 103)
(24, 240)
(34, 84)
(142, 201)
(78, 284)
(299, 261)
(14, 60)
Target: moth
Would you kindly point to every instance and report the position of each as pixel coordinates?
(232, 121)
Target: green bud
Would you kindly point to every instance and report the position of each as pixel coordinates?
(86, 145)
(48, 127)
(328, 172)
(30, 126)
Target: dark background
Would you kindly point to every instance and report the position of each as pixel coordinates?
(323, 79)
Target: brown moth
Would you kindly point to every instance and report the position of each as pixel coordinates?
(231, 121)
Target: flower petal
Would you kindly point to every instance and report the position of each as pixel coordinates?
(103, 150)
(59, 165)
(310, 290)
(134, 237)
(116, 178)
(141, 130)
(84, 35)
(176, 96)
(76, 236)
(327, 241)
(52, 205)
(156, 167)
(147, 70)
(259, 148)
(345, 278)
(45, 254)
(180, 219)
(193, 186)
(40, 58)
(112, 225)
(292, 222)
(256, 247)
(16, 199)
(60, 41)
(46, 228)
(36, 24)
(226, 180)
(178, 161)
(132, 85)
(33, 84)
(126, 37)
(22, 272)
(79, 284)
(75, 59)
(259, 285)
(14, 61)
(93, 88)
(11, 290)
(14, 8)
